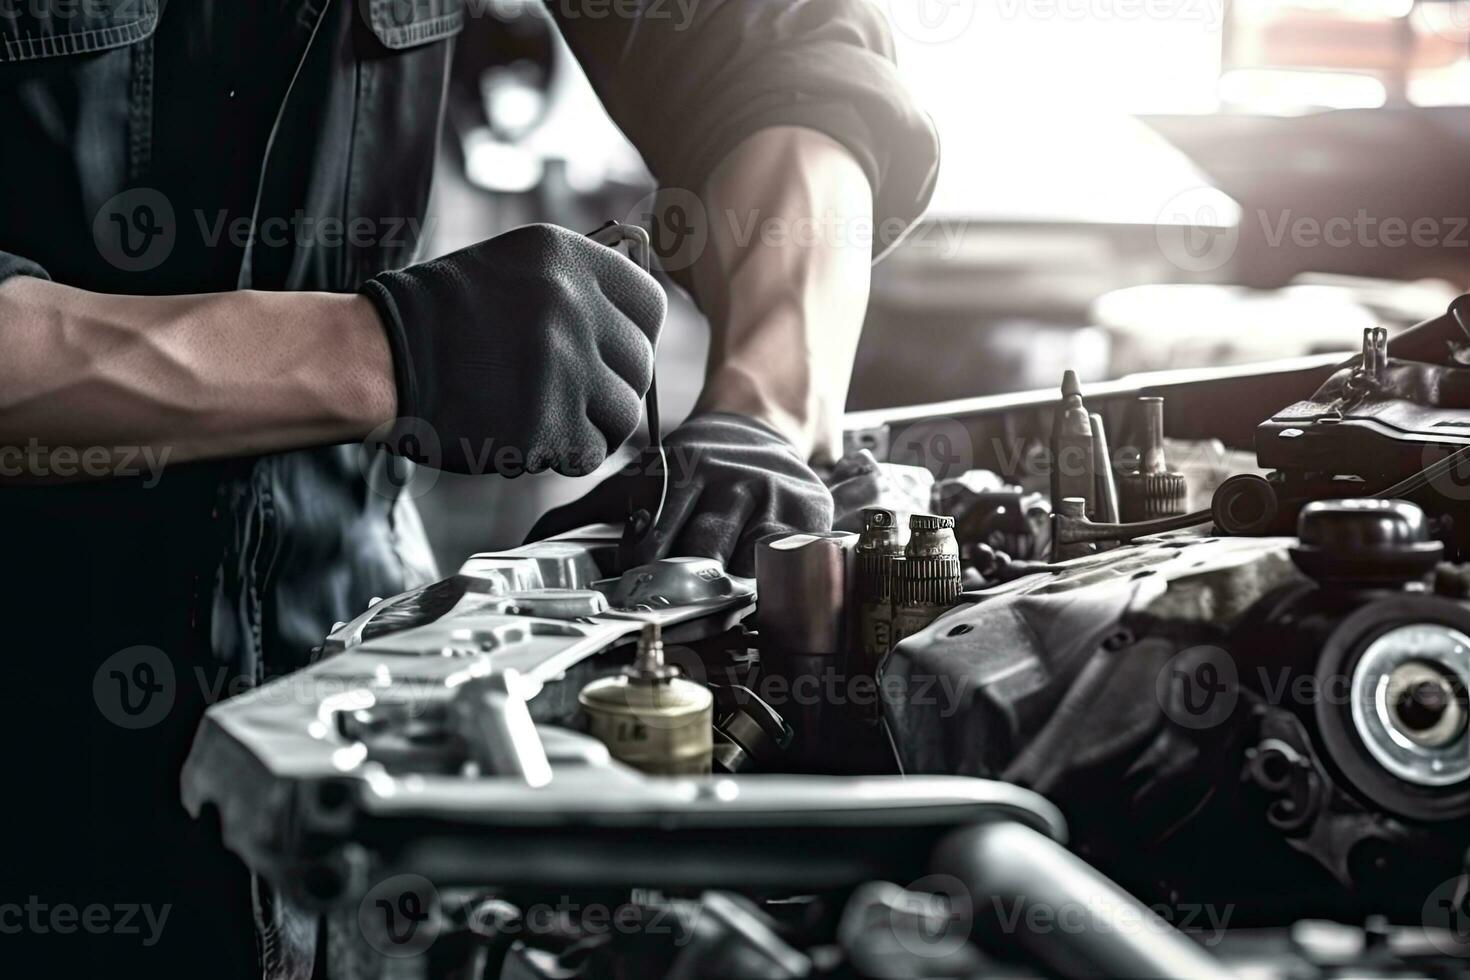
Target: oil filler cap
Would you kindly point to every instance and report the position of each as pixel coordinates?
(1365, 542)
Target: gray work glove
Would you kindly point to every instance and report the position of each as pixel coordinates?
(732, 482)
(527, 352)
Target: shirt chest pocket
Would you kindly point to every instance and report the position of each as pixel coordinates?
(54, 28)
(401, 24)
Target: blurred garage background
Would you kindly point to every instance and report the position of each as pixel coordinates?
(1127, 185)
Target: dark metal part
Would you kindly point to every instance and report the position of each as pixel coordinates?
(1106, 497)
(1245, 504)
(882, 540)
(928, 578)
(888, 931)
(731, 937)
(1408, 697)
(490, 716)
(1428, 475)
(1425, 705)
(1376, 422)
(1153, 490)
(1072, 446)
(1016, 870)
(1151, 453)
(1384, 758)
(1460, 312)
(643, 516)
(1070, 537)
(1365, 541)
(671, 582)
(749, 734)
(806, 583)
(649, 717)
(931, 536)
(1223, 638)
(1151, 496)
(1006, 518)
(1074, 536)
(1372, 370)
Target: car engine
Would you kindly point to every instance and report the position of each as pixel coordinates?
(1086, 706)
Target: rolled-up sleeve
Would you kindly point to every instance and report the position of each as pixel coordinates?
(14, 265)
(689, 81)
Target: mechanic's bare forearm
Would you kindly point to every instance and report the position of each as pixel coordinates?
(195, 377)
(785, 282)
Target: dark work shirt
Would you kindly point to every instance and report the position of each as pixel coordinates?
(149, 147)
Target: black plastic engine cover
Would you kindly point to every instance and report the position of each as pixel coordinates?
(1137, 689)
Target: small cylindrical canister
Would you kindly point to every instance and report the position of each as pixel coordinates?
(805, 587)
(649, 717)
(882, 540)
(927, 579)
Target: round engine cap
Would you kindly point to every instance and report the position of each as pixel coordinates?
(1365, 541)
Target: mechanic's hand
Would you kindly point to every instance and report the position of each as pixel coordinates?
(527, 352)
(732, 481)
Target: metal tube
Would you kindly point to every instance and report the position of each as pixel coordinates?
(1427, 475)
(1079, 530)
(1013, 873)
(882, 540)
(806, 584)
(1072, 446)
(491, 715)
(1151, 459)
(1106, 508)
(642, 522)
